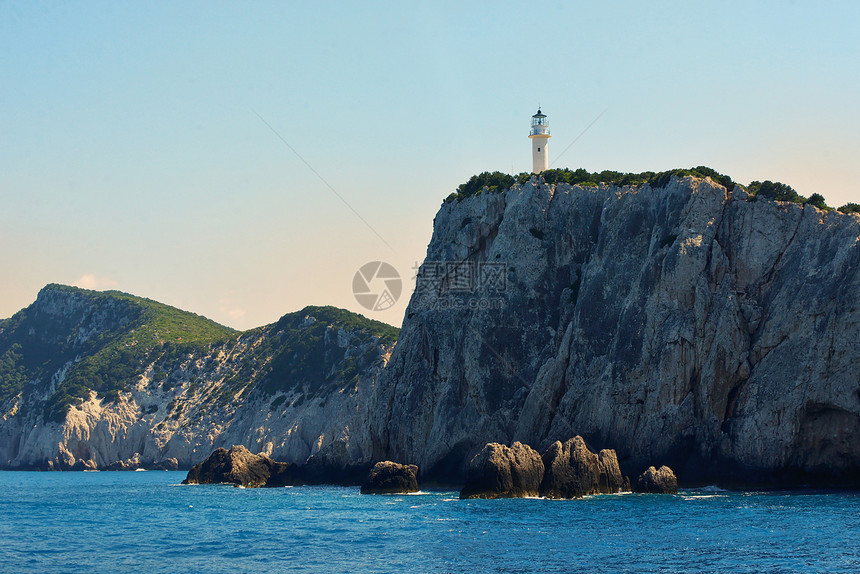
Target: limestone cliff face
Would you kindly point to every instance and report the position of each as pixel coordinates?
(683, 325)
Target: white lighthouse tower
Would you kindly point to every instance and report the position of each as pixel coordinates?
(539, 135)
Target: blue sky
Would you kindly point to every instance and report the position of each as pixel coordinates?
(133, 156)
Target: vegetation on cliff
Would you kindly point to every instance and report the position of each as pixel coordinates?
(498, 181)
(492, 182)
(477, 184)
(301, 352)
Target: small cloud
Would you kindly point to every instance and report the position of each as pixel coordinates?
(227, 305)
(236, 313)
(90, 281)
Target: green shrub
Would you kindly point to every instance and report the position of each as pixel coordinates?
(305, 355)
(585, 178)
(817, 200)
(108, 396)
(775, 191)
(850, 208)
(495, 181)
(13, 374)
(659, 180)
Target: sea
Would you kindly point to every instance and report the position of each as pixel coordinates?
(149, 522)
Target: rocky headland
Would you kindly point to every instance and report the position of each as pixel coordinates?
(682, 321)
(688, 323)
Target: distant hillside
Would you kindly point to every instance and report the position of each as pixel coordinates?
(107, 354)
(99, 341)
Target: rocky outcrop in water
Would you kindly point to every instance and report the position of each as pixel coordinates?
(657, 481)
(611, 480)
(684, 323)
(240, 467)
(568, 470)
(389, 477)
(499, 471)
(573, 471)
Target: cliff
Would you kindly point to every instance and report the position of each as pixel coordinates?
(676, 321)
(682, 325)
(97, 380)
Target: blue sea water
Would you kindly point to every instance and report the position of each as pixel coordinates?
(148, 522)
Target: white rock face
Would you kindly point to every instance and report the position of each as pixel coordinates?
(682, 325)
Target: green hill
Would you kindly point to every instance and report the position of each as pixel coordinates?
(301, 354)
(72, 341)
(103, 339)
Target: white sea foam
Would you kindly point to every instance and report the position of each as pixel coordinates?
(709, 488)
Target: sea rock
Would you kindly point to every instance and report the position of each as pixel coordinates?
(611, 479)
(123, 465)
(388, 477)
(241, 467)
(573, 471)
(166, 464)
(499, 471)
(657, 481)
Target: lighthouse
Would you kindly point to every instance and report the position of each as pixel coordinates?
(539, 135)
